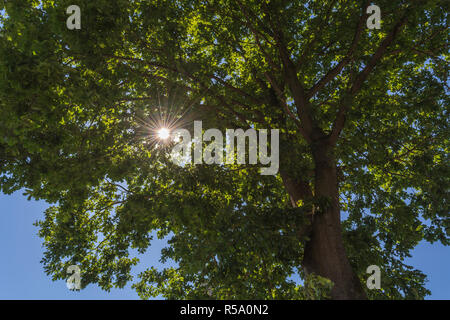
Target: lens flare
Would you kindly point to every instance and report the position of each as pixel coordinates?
(162, 115)
(163, 133)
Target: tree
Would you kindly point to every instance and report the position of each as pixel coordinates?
(363, 122)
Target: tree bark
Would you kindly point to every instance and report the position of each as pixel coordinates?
(324, 252)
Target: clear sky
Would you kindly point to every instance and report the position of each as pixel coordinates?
(22, 276)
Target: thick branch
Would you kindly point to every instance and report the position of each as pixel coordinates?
(348, 57)
(339, 122)
(295, 86)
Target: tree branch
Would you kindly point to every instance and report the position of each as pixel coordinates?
(339, 122)
(348, 57)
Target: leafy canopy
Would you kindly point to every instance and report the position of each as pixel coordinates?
(74, 115)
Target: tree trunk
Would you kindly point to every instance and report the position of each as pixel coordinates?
(324, 253)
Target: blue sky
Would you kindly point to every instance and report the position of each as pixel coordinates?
(22, 275)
